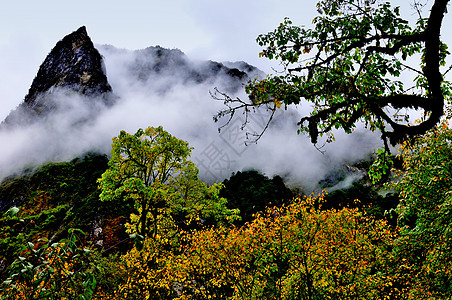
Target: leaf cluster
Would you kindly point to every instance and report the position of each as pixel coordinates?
(348, 68)
(51, 271)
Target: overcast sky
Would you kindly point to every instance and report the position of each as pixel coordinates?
(221, 29)
(204, 29)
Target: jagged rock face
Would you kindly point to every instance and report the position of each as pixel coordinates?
(70, 108)
(74, 65)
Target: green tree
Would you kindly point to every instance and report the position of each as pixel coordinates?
(252, 192)
(348, 67)
(140, 167)
(151, 170)
(193, 202)
(425, 210)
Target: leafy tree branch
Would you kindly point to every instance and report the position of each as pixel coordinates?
(348, 67)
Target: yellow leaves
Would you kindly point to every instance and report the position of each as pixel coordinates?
(310, 242)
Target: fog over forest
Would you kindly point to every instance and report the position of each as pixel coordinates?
(186, 110)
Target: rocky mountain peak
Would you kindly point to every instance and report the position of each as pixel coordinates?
(160, 69)
(73, 65)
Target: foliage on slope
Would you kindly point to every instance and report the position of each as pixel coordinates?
(338, 246)
(425, 212)
(57, 197)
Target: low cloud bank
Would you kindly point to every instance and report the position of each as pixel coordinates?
(185, 109)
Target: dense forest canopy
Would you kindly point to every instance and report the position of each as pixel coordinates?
(331, 247)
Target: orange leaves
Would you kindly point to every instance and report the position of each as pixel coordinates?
(273, 255)
(56, 271)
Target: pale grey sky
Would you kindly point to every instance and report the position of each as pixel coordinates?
(216, 29)
(204, 29)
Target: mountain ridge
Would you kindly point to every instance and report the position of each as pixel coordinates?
(75, 66)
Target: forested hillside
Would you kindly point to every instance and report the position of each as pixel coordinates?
(77, 230)
(140, 223)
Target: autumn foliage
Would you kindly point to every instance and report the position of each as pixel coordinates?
(303, 248)
(296, 251)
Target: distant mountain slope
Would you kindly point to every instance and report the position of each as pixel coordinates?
(73, 107)
(155, 63)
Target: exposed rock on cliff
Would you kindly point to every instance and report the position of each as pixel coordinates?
(70, 108)
(73, 66)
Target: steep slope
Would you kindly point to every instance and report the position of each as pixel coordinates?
(75, 66)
